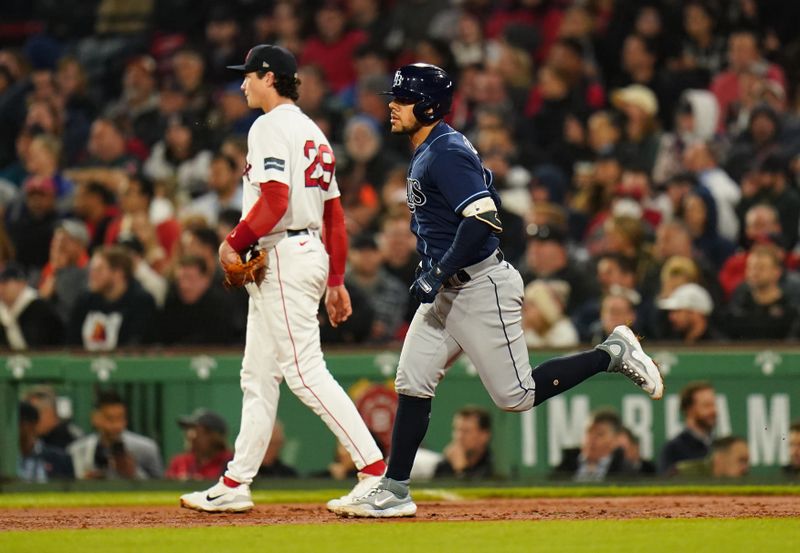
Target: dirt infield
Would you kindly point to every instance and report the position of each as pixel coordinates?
(497, 509)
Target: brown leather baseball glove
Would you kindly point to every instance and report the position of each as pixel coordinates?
(244, 272)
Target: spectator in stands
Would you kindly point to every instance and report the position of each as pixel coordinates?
(194, 313)
(771, 186)
(272, 466)
(189, 69)
(207, 451)
(397, 245)
(689, 306)
(64, 277)
(761, 225)
(611, 270)
(729, 458)
(332, 46)
(546, 258)
(30, 222)
(702, 49)
(112, 451)
(629, 442)
(543, 319)
(317, 102)
(109, 161)
(115, 312)
(618, 307)
(26, 320)
(79, 110)
(743, 56)
(43, 161)
(468, 454)
(760, 308)
(700, 160)
(699, 409)
(95, 206)
(639, 105)
(180, 157)
(148, 278)
(224, 192)
(38, 461)
(158, 239)
(387, 295)
(235, 118)
(137, 106)
(793, 468)
(752, 146)
(600, 455)
(699, 213)
(52, 429)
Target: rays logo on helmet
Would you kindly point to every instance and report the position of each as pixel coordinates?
(414, 194)
(398, 79)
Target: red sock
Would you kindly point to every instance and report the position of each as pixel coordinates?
(230, 482)
(375, 469)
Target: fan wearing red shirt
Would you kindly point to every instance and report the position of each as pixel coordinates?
(208, 452)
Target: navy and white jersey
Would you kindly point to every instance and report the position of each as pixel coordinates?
(445, 176)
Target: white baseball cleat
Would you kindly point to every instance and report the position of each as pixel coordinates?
(220, 498)
(365, 483)
(389, 499)
(628, 358)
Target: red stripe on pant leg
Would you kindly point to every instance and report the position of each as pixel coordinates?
(297, 364)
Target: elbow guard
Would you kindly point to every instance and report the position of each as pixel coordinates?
(485, 211)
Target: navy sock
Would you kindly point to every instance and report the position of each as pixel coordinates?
(410, 426)
(562, 373)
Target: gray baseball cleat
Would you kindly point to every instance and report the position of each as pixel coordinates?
(389, 498)
(628, 358)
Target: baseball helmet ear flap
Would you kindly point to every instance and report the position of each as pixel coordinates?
(427, 111)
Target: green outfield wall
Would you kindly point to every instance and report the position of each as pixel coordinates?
(759, 395)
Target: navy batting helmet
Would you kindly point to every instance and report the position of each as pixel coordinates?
(427, 86)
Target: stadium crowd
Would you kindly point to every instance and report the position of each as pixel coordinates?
(646, 153)
(53, 448)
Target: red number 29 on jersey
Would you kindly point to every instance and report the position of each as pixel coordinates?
(320, 171)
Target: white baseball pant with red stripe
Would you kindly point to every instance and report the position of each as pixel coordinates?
(283, 343)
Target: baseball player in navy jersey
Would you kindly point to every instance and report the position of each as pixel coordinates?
(471, 298)
(291, 209)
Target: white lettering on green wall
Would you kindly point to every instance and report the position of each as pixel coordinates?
(767, 430)
(565, 425)
(637, 414)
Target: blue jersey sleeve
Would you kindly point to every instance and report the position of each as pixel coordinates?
(459, 176)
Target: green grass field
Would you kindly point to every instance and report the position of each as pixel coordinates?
(763, 535)
(649, 536)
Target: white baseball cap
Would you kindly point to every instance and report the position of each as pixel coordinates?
(689, 296)
(638, 95)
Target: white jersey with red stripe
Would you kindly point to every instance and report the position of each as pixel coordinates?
(283, 340)
(286, 146)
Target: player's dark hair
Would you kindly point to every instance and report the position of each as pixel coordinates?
(481, 415)
(726, 443)
(609, 417)
(194, 261)
(108, 397)
(118, 259)
(690, 390)
(285, 85)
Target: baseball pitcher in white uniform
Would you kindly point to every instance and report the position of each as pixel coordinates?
(291, 210)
